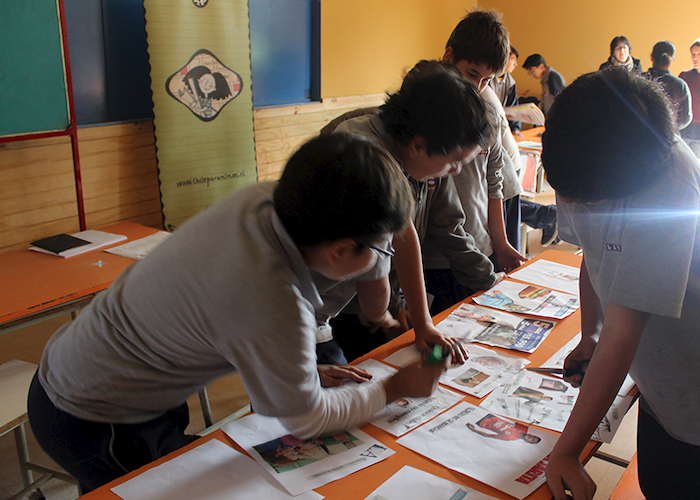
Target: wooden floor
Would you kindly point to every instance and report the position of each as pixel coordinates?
(228, 395)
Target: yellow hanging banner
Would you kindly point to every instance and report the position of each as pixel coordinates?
(199, 53)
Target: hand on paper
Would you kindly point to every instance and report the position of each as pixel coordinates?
(428, 336)
(577, 361)
(508, 258)
(566, 473)
(337, 375)
(414, 381)
(499, 277)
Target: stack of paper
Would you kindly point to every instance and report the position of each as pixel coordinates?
(94, 239)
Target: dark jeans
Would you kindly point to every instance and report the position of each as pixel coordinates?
(667, 468)
(353, 337)
(511, 212)
(536, 215)
(96, 453)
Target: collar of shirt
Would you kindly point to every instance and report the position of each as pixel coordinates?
(296, 261)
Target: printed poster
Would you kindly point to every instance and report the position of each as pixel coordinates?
(534, 300)
(199, 54)
(404, 414)
(511, 456)
(496, 328)
(212, 471)
(302, 465)
(410, 483)
(551, 275)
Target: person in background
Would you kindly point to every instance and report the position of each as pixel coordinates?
(535, 215)
(691, 134)
(504, 87)
(551, 80)
(677, 90)
(621, 56)
(632, 203)
(479, 47)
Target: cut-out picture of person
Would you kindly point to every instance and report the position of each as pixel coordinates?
(499, 300)
(503, 429)
(202, 86)
(531, 396)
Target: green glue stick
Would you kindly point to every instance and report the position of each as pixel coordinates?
(435, 356)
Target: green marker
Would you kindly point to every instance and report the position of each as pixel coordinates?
(435, 356)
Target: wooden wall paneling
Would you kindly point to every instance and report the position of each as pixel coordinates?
(280, 131)
(38, 197)
(120, 179)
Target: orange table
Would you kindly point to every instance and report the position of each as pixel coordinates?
(37, 286)
(533, 134)
(362, 483)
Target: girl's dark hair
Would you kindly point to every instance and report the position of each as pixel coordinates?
(616, 41)
(663, 53)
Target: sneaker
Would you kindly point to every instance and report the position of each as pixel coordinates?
(549, 235)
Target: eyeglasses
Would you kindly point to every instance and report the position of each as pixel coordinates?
(381, 252)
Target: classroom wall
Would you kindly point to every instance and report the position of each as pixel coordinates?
(574, 37)
(366, 47)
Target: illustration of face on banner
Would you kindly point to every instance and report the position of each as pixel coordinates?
(204, 85)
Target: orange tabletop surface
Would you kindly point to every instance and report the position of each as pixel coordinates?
(533, 134)
(360, 484)
(34, 282)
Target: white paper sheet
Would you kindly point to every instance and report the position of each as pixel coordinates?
(497, 328)
(410, 483)
(528, 299)
(138, 249)
(402, 415)
(485, 369)
(499, 452)
(212, 471)
(550, 275)
(300, 466)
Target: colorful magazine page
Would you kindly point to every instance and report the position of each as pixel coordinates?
(496, 328)
(302, 465)
(527, 299)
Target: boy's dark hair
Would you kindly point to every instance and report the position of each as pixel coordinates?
(609, 135)
(481, 38)
(513, 51)
(534, 61)
(617, 40)
(342, 186)
(696, 43)
(437, 103)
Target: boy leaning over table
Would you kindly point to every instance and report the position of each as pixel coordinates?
(628, 193)
(229, 290)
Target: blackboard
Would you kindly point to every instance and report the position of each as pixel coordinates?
(31, 68)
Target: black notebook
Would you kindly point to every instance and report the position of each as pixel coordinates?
(59, 243)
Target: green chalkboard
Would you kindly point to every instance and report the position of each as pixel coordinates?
(31, 68)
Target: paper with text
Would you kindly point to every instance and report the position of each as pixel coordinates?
(496, 451)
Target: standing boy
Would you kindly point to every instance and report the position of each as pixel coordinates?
(229, 290)
(479, 46)
(551, 80)
(632, 204)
